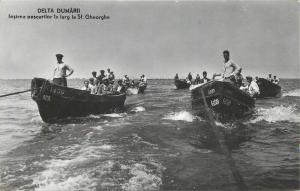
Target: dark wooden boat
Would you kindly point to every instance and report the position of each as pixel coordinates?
(57, 102)
(182, 84)
(141, 88)
(268, 89)
(225, 101)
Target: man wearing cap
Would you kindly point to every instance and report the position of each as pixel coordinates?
(60, 72)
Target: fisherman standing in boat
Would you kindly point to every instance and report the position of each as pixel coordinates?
(101, 76)
(94, 76)
(176, 77)
(60, 72)
(232, 71)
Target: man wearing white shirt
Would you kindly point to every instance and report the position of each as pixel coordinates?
(252, 87)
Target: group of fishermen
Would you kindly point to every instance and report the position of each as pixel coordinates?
(99, 85)
(105, 83)
(198, 79)
(231, 73)
(274, 80)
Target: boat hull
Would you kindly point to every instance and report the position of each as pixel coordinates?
(57, 102)
(181, 84)
(225, 101)
(268, 89)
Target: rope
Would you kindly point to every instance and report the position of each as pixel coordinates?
(14, 93)
(221, 141)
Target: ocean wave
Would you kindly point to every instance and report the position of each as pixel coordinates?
(180, 116)
(143, 178)
(132, 91)
(278, 113)
(98, 128)
(115, 115)
(295, 92)
(138, 109)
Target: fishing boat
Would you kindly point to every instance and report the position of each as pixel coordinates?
(58, 102)
(268, 89)
(181, 84)
(225, 101)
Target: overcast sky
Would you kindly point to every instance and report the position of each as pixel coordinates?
(157, 39)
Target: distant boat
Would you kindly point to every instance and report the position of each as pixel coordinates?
(181, 84)
(268, 89)
(58, 102)
(226, 101)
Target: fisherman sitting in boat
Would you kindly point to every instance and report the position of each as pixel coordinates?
(102, 88)
(60, 75)
(205, 78)
(94, 76)
(252, 88)
(176, 77)
(119, 88)
(270, 78)
(92, 86)
(276, 80)
(111, 76)
(110, 85)
(197, 79)
(232, 71)
(188, 80)
(143, 79)
(101, 76)
(126, 81)
(86, 86)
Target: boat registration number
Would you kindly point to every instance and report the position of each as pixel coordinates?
(57, 91)
(214, 102)
(211, 91)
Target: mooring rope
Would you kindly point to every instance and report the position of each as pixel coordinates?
(221, 141)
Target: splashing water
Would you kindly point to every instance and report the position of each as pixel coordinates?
(295, 93)
(143, 179)
(278, 113)
(132, 91)
(139, 109)
(180, 116)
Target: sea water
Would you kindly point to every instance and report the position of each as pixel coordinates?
(156, 144)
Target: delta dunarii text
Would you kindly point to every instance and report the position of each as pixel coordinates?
(61, 14)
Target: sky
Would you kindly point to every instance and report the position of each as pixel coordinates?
(158, 39)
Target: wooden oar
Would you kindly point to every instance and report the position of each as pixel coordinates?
(221, 141)
(14, 93)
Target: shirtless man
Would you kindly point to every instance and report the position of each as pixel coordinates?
(60, 71)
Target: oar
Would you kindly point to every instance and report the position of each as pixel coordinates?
(221, 140)
(14, 93)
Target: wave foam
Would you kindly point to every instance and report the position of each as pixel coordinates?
(295, 93)
(180, 116)
(132, 91)
(114, 115)
(138, 109)
(143, 179)
(278, 113)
